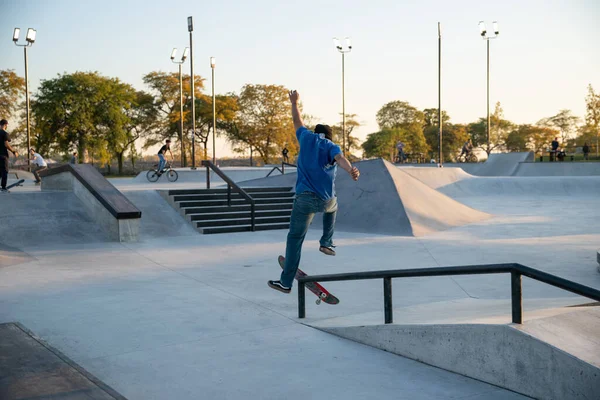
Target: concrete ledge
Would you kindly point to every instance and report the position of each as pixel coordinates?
(105, 204)
(497, 354)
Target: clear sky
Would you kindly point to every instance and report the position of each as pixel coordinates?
(546, 55)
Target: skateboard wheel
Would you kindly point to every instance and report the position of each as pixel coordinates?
(318, 301)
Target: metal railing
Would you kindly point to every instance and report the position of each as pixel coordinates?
(282, 169)
(231, 184)
(516, 271)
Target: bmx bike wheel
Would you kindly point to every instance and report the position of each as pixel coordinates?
(172, 175)
(152, 175)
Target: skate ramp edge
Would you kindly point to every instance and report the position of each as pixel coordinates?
(521, 358)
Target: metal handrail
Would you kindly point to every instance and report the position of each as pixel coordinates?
(282, 169)
(516, 271)
(273, 170)
(231, 184)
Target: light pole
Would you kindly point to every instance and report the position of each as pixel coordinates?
(191, 30)
(29, 40)
(484, 34)
(343, 50)
(213, 64)
(440, 154)
(180, 63)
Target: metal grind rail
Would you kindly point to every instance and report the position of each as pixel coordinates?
(516, 271)
(231, 184)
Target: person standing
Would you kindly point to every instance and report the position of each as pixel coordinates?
(40, 163)
(73, 158)
(4, 149)
(586, 151)
(315, 192)
(400, 148)
(554, 151)
(285, 152)
(162, 161)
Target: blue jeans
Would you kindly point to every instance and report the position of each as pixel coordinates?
(161, 162)
(306, 205)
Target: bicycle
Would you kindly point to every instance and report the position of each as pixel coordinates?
(467, 158)
(154, 174)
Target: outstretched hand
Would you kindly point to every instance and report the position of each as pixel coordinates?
(294, 96)
(354, 173)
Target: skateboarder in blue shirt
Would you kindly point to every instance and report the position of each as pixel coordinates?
(315, 192)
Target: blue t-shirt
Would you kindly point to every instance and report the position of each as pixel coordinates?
(316, 164)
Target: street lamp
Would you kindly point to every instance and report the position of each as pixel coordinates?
(484, 34)
(440, 154)
(29, 40)
(180, 63)
(213, 64)
(343, 50)
(191, 30)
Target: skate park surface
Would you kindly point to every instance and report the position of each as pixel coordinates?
(180, 315)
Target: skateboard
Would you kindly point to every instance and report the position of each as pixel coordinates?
(17, 183)
(316, 288)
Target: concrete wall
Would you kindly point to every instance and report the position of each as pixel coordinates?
(121, 230)
(497, 354)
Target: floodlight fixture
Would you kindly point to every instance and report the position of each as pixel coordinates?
(31, 35)
(190, 24)
(185, 54)
(496, 30)
(213, 62)
(173, 53)
(16, 34)
(482, 29)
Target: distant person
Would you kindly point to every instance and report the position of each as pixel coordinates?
(40, 164)
(466, 149)
(162, 161)
(586, 151)
(73, 158)
(318, 160)
(400, 149)
(285, 152)
(4, 149)
(554, 151)
(561, 154)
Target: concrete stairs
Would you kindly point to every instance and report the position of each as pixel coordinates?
(208, 210)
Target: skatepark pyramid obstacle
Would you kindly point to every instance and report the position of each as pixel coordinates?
(388, 200)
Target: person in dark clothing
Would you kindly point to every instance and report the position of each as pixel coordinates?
(586, 151)
(73, 158)
(4, 149)
(285, 152)
(162, 161)
(554, 151)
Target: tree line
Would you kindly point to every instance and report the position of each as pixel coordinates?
(104, 119)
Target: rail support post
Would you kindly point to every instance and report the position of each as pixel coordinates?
(228, 195)
(516, 297)
(207, 177)
(301, 300)
(387, 301)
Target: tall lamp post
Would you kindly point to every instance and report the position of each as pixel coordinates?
(484, 34)
(440, 155)
(213, 64)
(191, 31)
(180, 63)
(29, 40)
(343, 50)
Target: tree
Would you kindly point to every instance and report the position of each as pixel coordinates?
(564, 121)
(83, 110)
(499, 129)
(530, 138)
(12, 87)
(225, 110)
(396, 114)
(383, 143)
(592, 114)
(453, 138)
(165, 89)
(430, 117)
(352, 142)
(262, 122)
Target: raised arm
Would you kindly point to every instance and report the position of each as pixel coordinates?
(346, 166)
(294, 98)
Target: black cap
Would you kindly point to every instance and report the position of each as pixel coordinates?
(3, 122)
(325, 129)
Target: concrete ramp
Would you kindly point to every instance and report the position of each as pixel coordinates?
(32, 219)
(438, 177)
(548, 358)
(558, 169)
(504, 164)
